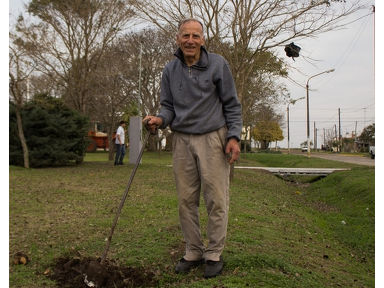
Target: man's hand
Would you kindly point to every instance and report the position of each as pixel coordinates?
(153, 122)
(232, 149)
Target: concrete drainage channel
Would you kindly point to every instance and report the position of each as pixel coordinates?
(296, 171)
(297, 176)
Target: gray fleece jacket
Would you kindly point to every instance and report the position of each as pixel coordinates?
(201, 98)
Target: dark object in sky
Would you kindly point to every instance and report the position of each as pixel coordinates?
(292, 50)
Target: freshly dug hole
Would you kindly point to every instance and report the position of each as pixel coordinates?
(76, 272)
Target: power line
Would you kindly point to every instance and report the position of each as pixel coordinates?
(333, 121)
(332, 109)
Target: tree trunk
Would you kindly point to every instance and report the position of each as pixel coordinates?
(22, 138)
(152, 144)
(111, 144)
(111, 151)
(264, 145)
(245, 140)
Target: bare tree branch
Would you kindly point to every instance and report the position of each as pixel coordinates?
(70, 38)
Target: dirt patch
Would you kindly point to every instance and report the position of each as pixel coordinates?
(79, 272)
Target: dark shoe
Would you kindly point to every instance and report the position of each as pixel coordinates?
(213, 268)
(185, 266)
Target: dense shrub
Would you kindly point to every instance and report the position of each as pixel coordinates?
(55, 134)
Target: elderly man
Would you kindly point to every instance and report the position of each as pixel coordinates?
(199, 101)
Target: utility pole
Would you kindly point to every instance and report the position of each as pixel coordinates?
(288, 127)
(308, 132)
(140, 56)
(314, 136)
(336, 137)
(354, 144)
(340, 143)
(135, 124)
(325, 145)
(374, 45)
(292, 101)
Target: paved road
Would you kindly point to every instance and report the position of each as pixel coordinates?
(354, 159)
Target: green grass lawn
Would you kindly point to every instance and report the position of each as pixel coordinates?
(280, 234)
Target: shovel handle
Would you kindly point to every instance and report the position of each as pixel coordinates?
(149, 129)
(124, 197)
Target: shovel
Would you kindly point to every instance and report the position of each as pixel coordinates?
(96, 269)
(150, 132)
(95, 272)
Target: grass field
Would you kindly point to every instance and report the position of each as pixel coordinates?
(280, 234)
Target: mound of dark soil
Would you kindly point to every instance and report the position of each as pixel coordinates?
(87, 272)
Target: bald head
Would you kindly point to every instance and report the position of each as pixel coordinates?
(185, 21)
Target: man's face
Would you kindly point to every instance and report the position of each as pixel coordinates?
(190, 38)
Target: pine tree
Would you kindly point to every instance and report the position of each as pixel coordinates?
(56, 135)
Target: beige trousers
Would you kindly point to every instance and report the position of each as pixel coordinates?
(199, 164)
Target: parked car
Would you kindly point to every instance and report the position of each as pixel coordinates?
(372, 151)
(304, 149)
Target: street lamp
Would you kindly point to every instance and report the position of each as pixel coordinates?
(140, 56)
(308, 141)
(291, 101)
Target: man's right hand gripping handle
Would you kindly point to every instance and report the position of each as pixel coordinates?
(152, 123)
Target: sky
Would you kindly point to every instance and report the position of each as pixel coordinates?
(350, 87)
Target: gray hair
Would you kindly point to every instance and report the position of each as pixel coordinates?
(184, 21)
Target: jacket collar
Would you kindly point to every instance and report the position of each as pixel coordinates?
(203, 61)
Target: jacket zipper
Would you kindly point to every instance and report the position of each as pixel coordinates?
(190, 71)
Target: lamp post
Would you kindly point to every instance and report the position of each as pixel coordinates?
(291, 101)
(140, 56)
(308, 131)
